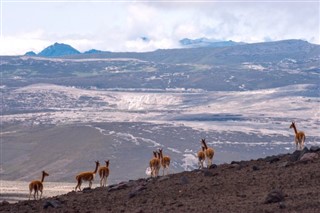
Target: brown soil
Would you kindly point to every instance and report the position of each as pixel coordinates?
(236, 187)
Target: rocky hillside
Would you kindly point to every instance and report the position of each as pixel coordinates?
(282, 183)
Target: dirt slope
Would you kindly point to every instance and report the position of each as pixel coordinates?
(291, 181)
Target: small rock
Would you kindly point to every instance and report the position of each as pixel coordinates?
(184, 180)
(274, 196)
(163, 178)
(118, 187)
(311, 156)
(255, 168)
(272, 159)
(213, 166)
(305, 150)
(314, 148)
(235, 165)
(52, 203)
(282, 205)
(87, 189)
(296, 155)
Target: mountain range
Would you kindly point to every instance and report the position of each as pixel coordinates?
(60, 49)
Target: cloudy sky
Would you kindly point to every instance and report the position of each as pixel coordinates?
(32, 25)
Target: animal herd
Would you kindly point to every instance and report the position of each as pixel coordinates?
(158, 160)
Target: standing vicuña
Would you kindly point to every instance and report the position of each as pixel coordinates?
(201, 157)
(37, 185)
(209, 152)
(104, 173)
(86, 176)
(154, 165)
(299, 136)
(165, 162)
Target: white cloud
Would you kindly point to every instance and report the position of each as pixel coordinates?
(120, 26)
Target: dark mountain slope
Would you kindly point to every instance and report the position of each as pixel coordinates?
(283, 183)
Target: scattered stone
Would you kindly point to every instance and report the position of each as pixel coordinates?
(112, 185)
(296, 155)
(52, 203)
(272, 159)
(311, 156)
(284, 164)
(235, 165)
(282, 205)
(163, 178)
(314, 148)
(4, 203)
(274, 196)
(184, 180)
(255, 168)
(234, 162)
(213, 166)
(118, 187)
(86, 190)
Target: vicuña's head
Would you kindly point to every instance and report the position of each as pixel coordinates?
(203, 148)
(44, 173)
(107, 163)
(155, 154)
(97, 163)
(292, 125)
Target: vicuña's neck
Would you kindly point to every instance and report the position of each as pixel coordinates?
(95, 171)
(42, 179)
(295, 129)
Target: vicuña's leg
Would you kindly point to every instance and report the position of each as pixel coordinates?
(79, 185)
(30, 194)
(40, 194)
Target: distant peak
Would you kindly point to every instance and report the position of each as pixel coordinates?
(30, 53)
(206, 42)
(58, 49)
(92, 51)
